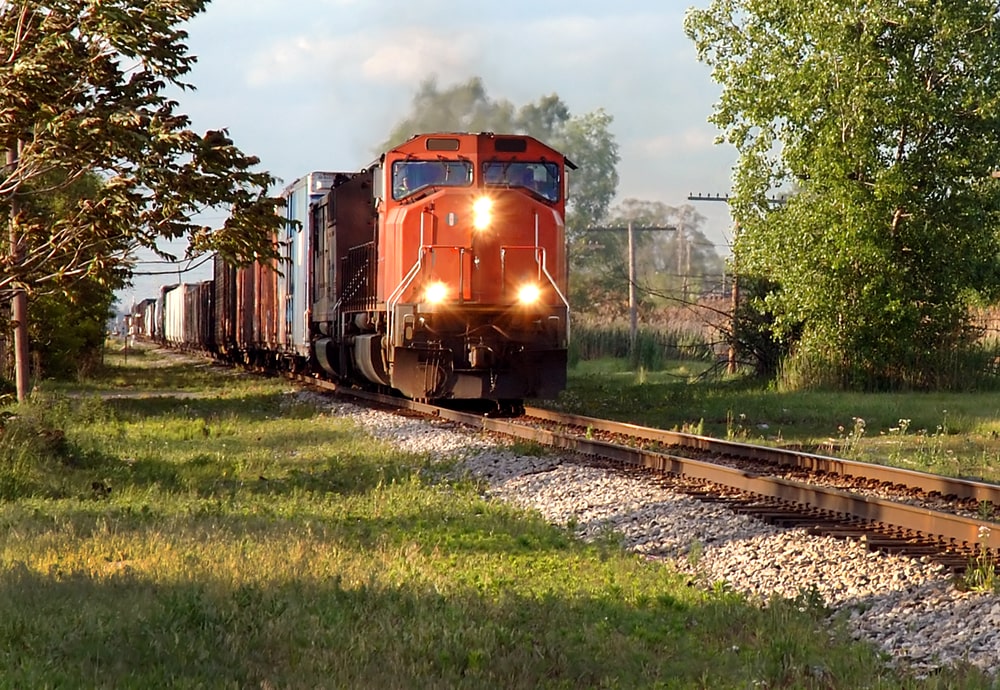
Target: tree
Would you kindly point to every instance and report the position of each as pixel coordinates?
(67, 322)
(68, 329)
(586, 140)
(81, 88)
(885, 114)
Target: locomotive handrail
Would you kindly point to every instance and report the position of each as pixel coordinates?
(555, 287)
(542, 267)
(412, 274)
(397, 294)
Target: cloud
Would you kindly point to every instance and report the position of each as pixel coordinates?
(554, 50)
(403, 56)
(295, 60)
(685, 141)
(410, 55)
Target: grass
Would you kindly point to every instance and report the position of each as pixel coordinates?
(235, 538)
(948, 434)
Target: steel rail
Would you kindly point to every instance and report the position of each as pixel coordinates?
(931, 483)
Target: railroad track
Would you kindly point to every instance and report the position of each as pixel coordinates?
(895, 510)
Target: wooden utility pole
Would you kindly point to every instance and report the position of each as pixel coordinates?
(19, 300)
(633, 303)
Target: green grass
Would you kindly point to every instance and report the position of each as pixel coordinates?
(951, 434)
(238, 539)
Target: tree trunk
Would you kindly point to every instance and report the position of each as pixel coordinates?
(19, 300)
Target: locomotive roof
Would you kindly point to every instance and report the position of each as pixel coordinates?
(444, 142)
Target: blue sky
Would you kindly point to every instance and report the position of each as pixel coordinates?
(317, 84)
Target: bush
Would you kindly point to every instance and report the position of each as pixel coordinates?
(965, 369)
(67, 332)
(35, 454)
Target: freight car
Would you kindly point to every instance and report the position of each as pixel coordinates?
(439, 271)
(143, 321)
(188, 315)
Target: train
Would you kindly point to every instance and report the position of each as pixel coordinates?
(438, 272)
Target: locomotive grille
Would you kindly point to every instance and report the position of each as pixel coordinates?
(358, 271)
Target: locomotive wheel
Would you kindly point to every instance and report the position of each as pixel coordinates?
(507, 408)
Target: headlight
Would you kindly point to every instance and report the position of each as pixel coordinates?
(482, 213)
(435, 293)
(528, 294)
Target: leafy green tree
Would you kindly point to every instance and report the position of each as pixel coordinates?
(886, 115)
(545, 120)
(66, 323)
(68, 329)
(586, 139)
(752, 334)
(588, 142)
(81, 88)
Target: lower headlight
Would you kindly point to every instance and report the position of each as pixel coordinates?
(435, 293)
(528, 294)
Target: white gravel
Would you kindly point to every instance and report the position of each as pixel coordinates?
(909, 608)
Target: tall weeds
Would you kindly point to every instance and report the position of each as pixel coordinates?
(35, 454)
(654, 347)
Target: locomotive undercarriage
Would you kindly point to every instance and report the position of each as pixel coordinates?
(482, 353)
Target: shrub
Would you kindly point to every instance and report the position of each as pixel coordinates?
(34, 452)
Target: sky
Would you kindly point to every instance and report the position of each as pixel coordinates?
(317, 84)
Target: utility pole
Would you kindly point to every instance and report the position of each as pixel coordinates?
(633, 303)
(19, 300)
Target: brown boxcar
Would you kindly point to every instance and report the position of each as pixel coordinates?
(224, 310)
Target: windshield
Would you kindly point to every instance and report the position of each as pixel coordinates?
(541, 178)
(411, 176)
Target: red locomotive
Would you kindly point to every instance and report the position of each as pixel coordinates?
(440, 271)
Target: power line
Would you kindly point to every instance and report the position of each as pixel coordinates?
(633, 303)
(178, 270)
(779, 200)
